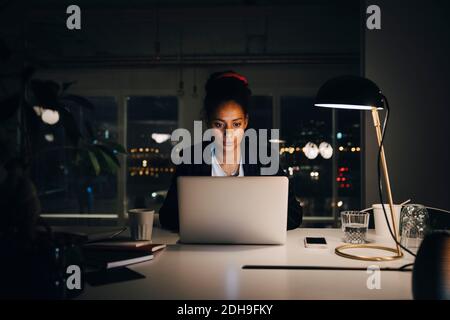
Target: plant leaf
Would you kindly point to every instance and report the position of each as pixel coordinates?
(110, 161)
(94, 162)
(115, 146)
(84, 164)
(70, 126)
(110, 153)
(106, 161)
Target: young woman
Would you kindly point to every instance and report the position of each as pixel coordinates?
(226, 112)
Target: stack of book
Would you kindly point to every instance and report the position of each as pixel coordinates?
(113, 254)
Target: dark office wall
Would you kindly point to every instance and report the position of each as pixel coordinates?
(107, 56)
(409, 59)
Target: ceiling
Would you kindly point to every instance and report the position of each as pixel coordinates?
(119, 4)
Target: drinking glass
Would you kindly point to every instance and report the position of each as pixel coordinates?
(413, 225)
(354, 225)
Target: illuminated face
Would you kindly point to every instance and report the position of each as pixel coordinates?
(228, 123)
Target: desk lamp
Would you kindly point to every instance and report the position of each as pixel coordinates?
(357, 93)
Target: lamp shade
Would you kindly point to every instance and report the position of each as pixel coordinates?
(349, 92)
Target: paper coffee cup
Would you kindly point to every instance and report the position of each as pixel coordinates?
(381, 227)
(140, 222)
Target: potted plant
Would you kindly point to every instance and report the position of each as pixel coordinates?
(42, 103)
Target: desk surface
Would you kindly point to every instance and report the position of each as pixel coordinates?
(215, 272)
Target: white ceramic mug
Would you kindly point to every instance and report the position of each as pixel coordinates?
(381, 228)
(140, 222)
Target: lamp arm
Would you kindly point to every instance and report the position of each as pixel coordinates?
(382, 157)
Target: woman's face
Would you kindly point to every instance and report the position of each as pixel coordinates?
(229, 122)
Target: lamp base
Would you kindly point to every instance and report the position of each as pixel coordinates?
(340, 252)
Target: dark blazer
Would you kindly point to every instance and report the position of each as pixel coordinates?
(168, 214)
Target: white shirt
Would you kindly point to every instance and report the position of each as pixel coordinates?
(216, 169)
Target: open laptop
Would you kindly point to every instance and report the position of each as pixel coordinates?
(233, 210)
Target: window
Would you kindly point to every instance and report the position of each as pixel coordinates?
(151, 121)
(260, 112)
(348, 171)
(321, 152)
(326, 183)
(72, 189)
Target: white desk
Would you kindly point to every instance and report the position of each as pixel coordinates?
(215, 272)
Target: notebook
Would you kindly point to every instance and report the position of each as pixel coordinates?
(147, 246)
(108, 259)
(113, 254)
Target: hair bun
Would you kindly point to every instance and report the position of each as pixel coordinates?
(232, 74)
(225, 86)
(226, 79)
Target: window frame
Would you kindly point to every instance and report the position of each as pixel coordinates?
(121, 96)
(277, 93)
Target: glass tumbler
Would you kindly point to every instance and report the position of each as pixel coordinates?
(354, 225)
(414, 221)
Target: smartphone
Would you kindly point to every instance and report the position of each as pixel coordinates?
(315, 242)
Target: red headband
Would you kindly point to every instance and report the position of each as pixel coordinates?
(233, 75)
